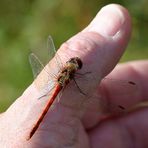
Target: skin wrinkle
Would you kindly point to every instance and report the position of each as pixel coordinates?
(89, 45)
(106, 98)
(80, 44)
(91, 42)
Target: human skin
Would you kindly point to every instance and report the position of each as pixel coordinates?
(69, 124)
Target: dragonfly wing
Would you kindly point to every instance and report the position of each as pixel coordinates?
(52, 50)
(36, 65)
(39, 58)
(51, 47)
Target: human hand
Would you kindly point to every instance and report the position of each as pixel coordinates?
(100, 46)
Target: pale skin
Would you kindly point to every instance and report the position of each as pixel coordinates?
(100, 45)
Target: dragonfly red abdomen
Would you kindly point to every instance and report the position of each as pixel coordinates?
(64, 77)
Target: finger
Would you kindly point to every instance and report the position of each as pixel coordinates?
(99, 52)
(128, 131)
(133, 71)
(118, 92)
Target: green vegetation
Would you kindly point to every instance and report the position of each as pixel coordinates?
(25, 25)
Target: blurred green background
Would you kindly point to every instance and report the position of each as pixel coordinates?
(25, 24)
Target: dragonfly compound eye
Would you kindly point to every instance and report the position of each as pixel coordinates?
(80, 64)
(76, 60)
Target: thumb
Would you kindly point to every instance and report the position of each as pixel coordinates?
(99, 46)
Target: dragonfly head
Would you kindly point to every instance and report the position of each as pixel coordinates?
(76, 61)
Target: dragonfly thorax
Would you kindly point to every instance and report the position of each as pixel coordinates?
(69, 70)
(75, 62)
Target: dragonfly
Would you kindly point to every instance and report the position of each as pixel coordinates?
(64, 76)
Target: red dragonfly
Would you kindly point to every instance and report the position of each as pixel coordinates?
(65, 75)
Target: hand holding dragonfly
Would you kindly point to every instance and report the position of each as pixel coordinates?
(69, 121)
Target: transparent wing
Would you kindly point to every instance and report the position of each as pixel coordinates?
(51, 48)
(39, 58)
(36, 65)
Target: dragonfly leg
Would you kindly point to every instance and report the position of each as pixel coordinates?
(79, 87)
